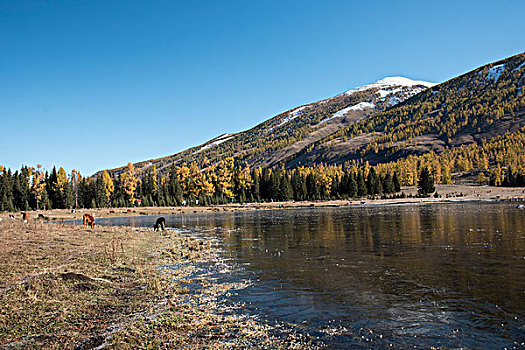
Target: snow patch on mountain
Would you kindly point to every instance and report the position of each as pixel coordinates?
(215, 142)
(291, 116)
(495, 72)
(396, 89)
(357, 107)
(520, 66)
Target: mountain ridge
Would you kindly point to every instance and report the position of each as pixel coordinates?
(376, 122)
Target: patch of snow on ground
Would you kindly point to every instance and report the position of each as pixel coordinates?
(398, 95)
(495, 72)
(384, 93)
(394, 100)
(357, 107)
(521, 66)
(217, 141)
(291, 116)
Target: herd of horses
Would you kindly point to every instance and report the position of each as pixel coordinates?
(88, 220)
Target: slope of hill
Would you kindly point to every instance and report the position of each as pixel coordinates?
(288, 133)
(383, 121)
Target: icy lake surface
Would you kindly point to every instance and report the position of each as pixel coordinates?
(447, 275)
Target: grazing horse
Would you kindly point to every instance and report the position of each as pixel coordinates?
(89, 220)
(25, 216)
(160, 223)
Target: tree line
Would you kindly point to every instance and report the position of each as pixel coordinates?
(33, 188)
(498, 162)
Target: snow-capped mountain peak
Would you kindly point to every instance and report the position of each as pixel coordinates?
(389, 82)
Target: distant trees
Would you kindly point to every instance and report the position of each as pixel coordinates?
(222, 183)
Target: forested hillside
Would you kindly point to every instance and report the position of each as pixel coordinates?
(499, 162)
(380, 122)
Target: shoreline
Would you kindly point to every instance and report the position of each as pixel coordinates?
(122, 287)
(448, 194)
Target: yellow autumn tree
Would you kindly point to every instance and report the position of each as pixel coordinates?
(109, 187)
(61, 179)
(224, 173)
(129, 180)
(242, 178)
(195, 181)
(37, 184)
(183, 176)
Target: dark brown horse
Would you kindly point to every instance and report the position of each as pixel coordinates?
(89, 220)
(160, 223)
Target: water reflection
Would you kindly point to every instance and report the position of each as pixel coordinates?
(444, 275)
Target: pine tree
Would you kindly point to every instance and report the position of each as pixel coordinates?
(174, 188)
(21, 191)
(75, 179)
(373, 183)
(6, 191)
(312, 187)
(361, 185)
(275, 185)
(388, 184)
(397, 184)
(285, 188)
(52, 189)
(426, 182)
(255, 189)
(352, 186)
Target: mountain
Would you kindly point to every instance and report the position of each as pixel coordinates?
(383, 121)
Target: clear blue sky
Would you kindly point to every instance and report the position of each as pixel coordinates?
(95, 84)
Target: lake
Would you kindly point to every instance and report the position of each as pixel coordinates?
(443, 275)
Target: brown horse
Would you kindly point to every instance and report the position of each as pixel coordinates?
(89, 220)
(25, 216)
(160, 223)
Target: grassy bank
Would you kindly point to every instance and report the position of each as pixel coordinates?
(63, 286)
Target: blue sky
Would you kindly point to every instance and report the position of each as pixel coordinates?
(95, 84)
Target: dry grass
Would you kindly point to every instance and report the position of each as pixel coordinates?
(61, 283)
(64, 286)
